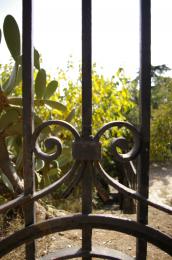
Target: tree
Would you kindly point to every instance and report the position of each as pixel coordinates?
(161, 98)
(161, 122)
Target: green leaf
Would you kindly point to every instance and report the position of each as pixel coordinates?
(18, 76)
(7, 182)
(8, 118)
(65, 158)
(51, 103)
(53, 172)
(55, 163)
(38, 176)
(9, 85)
(19, 159)
(36, 59)
(17, 101)
(39, 164)
(12, 36)
(14, 129)
(11, 122)
(38, 121)
(18, 109)
(50, 89)
(70, 116)
(55, 105)
(40, 84)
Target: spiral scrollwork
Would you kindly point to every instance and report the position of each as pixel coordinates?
(51, 141)
(121, 142)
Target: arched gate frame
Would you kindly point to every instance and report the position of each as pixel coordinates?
(86, 151)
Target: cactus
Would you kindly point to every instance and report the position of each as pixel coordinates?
(11, 108)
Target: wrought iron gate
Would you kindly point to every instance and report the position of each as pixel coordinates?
(86, 150)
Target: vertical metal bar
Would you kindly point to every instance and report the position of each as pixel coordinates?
(86, 70)
(86, 120)
(145, 92)
(28, 172)
(87, 208)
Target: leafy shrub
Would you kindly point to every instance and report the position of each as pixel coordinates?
(161, 120)
(161, 133)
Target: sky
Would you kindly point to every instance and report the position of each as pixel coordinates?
(115, 30)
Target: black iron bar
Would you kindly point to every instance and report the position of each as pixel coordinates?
(145, 92)
(86, 70)
(86, 121)
(87, 208)
(27, 91)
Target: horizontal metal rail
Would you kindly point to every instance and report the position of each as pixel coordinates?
(129, 227)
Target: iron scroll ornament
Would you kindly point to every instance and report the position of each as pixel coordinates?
(80, 163)
(90, 150)
(84, 150)
(118, 142)
(51, 141)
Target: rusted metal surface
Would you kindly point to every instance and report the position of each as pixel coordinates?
(86, 151)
